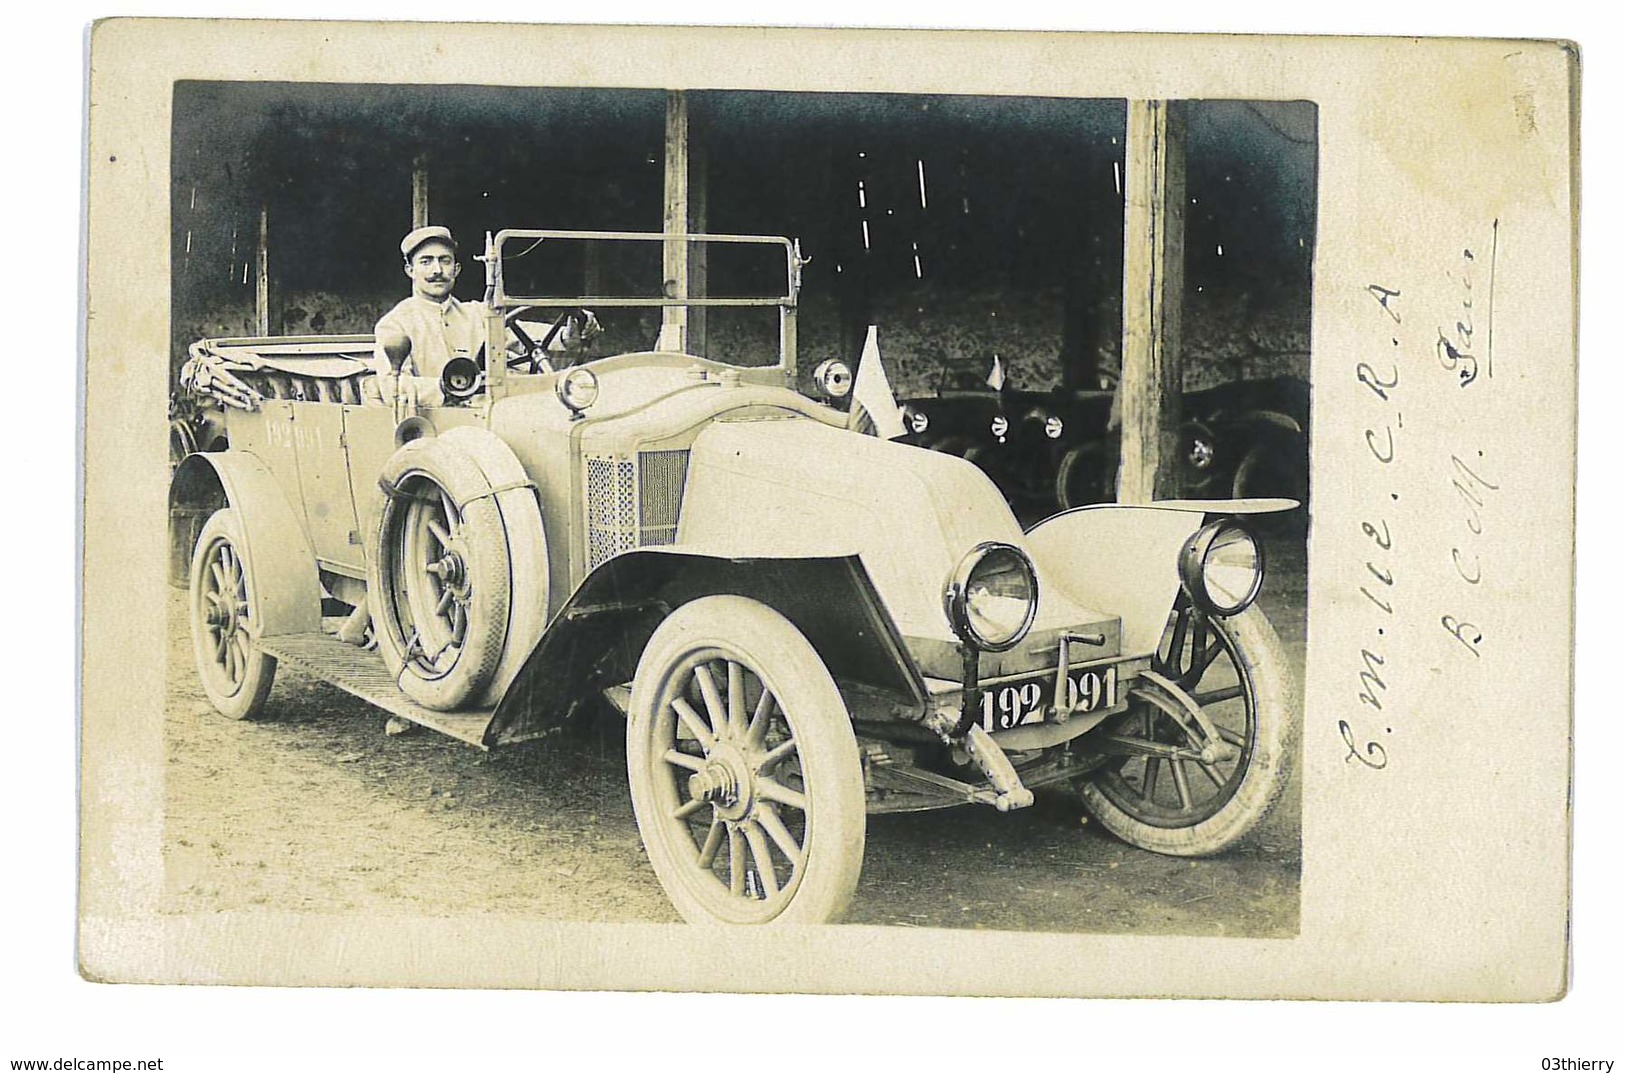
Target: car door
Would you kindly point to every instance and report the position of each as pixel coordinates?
(369, 440)
(324, 482)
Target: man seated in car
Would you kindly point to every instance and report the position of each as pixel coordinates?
(436, 326)
(431, 327)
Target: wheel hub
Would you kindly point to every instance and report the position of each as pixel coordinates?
(725, 783)
(223, 615)
(451, 571)
(218, 616)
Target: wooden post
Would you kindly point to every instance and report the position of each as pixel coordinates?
(674, 319)
(262, 273)
(420, 191)
(697, 252)
(1153, 290)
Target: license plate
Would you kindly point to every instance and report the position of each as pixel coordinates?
(1020, 703)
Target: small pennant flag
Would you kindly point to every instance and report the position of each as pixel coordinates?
(995, 379)
(872, 396)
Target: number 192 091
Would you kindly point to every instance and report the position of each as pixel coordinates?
(1008, 706)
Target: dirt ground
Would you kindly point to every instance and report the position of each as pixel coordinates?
(315, 809)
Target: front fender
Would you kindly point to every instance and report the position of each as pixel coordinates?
(596, 639)
(287, 592)
(1126, 558)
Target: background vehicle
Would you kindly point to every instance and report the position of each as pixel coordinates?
(1059, 449)
(196, 423)
(1249, 438)
(1044, 449)
(800, 623)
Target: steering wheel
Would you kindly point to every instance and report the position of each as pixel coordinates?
(536, 352)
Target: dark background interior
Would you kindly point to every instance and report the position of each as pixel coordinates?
(1015, 247)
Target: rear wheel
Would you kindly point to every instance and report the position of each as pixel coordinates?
(225, 621)
(1176, 789)
(744, 770)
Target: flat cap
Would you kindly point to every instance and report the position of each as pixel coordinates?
(416, 238)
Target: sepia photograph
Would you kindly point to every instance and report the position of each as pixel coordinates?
(754, 571)
(821, 511)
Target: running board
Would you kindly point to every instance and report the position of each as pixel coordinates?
(362, 673)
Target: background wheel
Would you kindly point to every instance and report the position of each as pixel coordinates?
(182, 442)
(1082, 477)
(744, 771)
(1161, 796)
(235, 674)
(979, 454)
(1277, 467)
(438, 579)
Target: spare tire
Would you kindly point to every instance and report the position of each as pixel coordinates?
(527, 549)
(439, 577)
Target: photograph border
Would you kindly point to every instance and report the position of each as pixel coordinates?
(1389, 943)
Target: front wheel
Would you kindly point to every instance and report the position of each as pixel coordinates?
(744, 770)
(1175, 790)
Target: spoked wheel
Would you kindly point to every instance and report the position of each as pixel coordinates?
(433, 579)
(744, 771)
(440, 577)
(235, 674)
(1207, 742)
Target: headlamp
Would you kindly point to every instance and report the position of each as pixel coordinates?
(577, 390)
(992, 597)
(832, 378)
(1222, 567)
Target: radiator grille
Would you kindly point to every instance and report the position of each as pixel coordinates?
(660, 493)
(612, 523)
(632, 504)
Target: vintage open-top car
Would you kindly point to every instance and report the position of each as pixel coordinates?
(801, 623)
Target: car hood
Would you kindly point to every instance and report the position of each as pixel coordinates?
(794, 487)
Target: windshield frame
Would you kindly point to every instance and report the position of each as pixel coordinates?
(499, 300)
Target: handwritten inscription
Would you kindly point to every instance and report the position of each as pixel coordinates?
(1471, 487)
(1457, 352)
(1381, 378)
(1460, 335)
(1454, 346)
